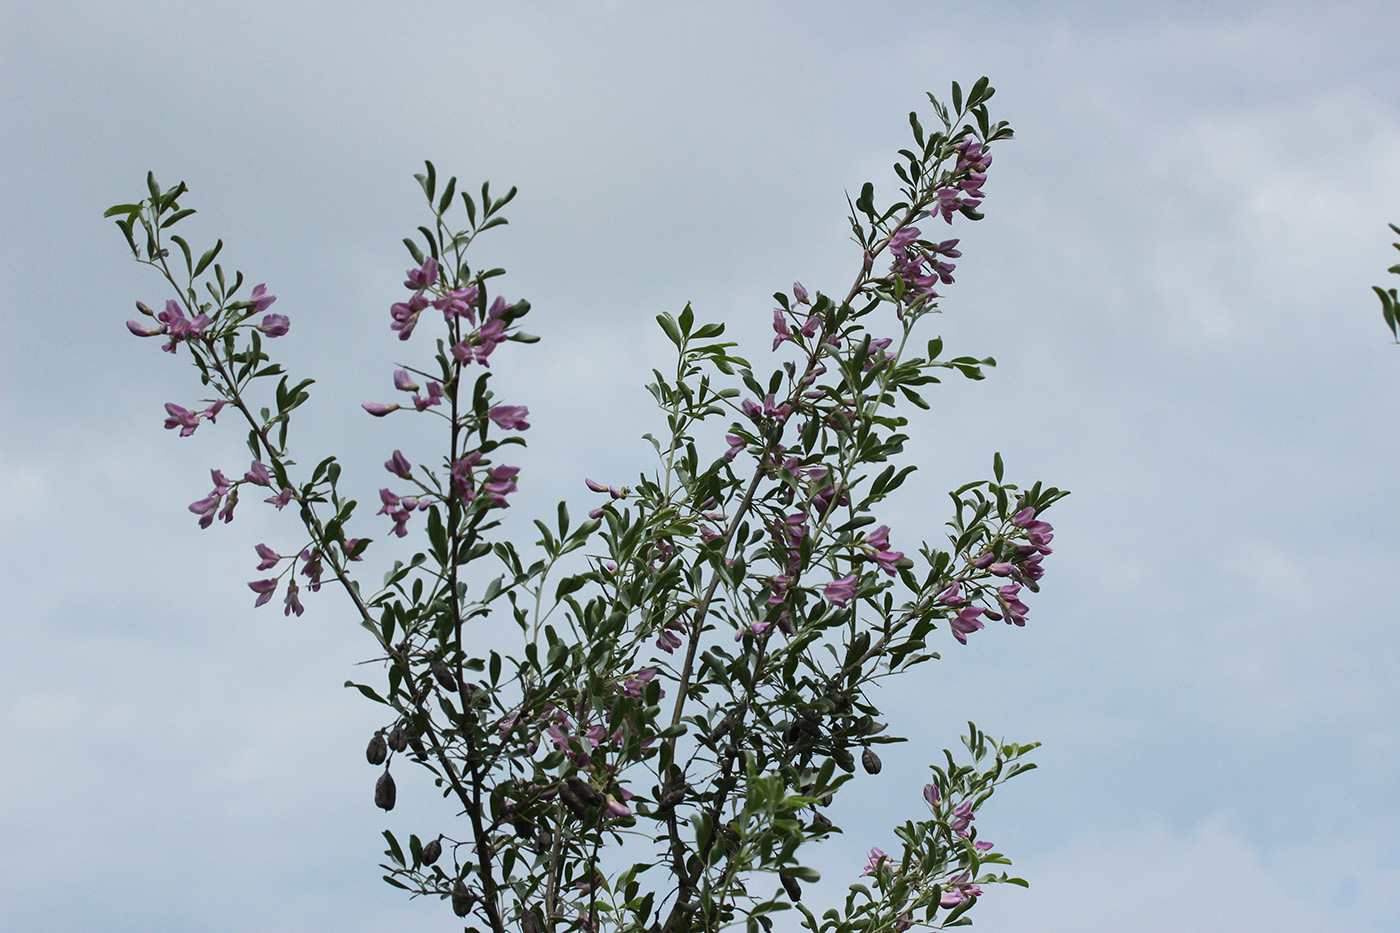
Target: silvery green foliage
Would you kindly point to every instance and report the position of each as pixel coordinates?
(692, 685)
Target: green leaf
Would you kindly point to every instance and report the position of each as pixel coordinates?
(673, 331)
(208, 256)
(997, 465)
(687, 319)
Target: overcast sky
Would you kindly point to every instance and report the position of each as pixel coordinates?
(1174, 276)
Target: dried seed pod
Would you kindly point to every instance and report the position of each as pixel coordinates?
(572, 801)
(384, 791)
(870, 761)
(790, 885)
(398, 739)
(826, 801)
(820, 821)
(530, 922)
(523, 827)
(461, 899)
(432, 851)
(378, 749)
(443, 675)
(419, 750)
(585, 791)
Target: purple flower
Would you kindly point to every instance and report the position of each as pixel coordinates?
(510, 417)
(274, 325)
(257, 474)
(398, 465)
(434, 396)
(841, 591)
(264, 589)
(180, 418)
(931, 795)
(636, 683)
(736, 444)
(312, 569)
(143, 330)
(462, 475)
(877, 857)
(269, 557)
(966, 622)
(404, 382)
(458, 303)
(205, 509)
(260, 300)
(780, 328)
(499, 484)
(962, 817)
(405, 315)
(424, 276)
(952, 596)
(903, 237)
(958, 890)
(282, 498)
(293, 604)
(379, 409)
(799, 292)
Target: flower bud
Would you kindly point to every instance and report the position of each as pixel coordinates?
(870, 761)
(461, 899)
(385, 792)
(378, 749)
(432, 851)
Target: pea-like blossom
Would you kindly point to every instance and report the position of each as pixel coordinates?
(181, 418)
(293, 604)
(931, 795)
(510, 417)
(877, 543)
(405, 315)
(264, 589)
(312, 568)
(379, 409)
(780, 328)
(260, 299)
(839, 592)
(500, 483)
(434, 396)
(458, 303)
(962, 817)
(398, 465)
(274, 325)
(257, 474)
(177, 326)
(966, 622)
(269, 557)
(282, 498)
(423, 277)
(636, 684)
(404, 382)
(877, 858)
(462, 475)
(736, 444)
(958, 890)
(799, 293)
(143, 330)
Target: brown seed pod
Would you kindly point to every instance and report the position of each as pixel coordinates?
(378, 749)
(870, 761)
(530, 922)
(384, 791)
(790, 885)
(398, 739)
(585, 791)
(462, 899)
(444, 676)
(432, 851)
(826, 801)
(820, 821)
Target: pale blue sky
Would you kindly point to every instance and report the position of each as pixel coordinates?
(1174, 275)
